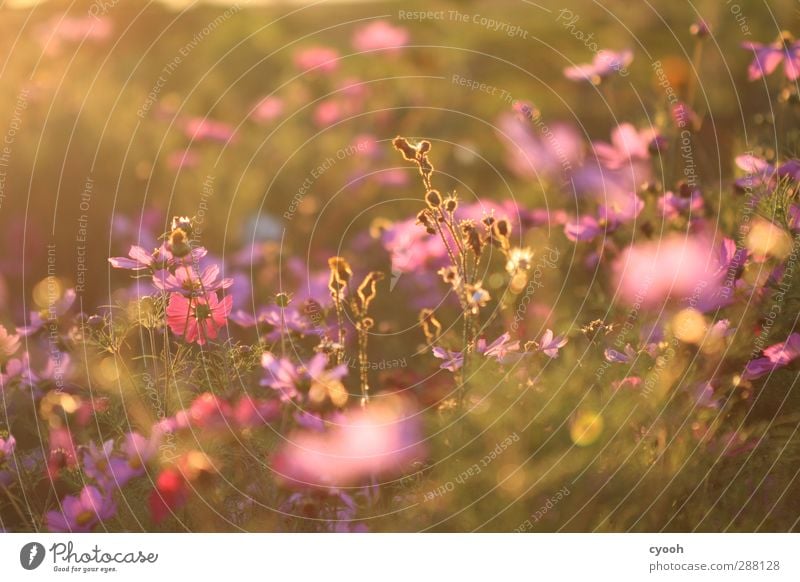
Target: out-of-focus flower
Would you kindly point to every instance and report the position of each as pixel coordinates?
(628, 145)
(63, 29)
(56, 309)
(620, 209)
(197, 319)
(170, 493)
(135, 453)
(203, 129)
(604, 64)
(280, 321)
(502, 349)
(81, 513)
(379, 441)
(268, 109)
(616, 357)
(760, 173)
(7, 447)
(519, 259)
(186, 281)
(775, 356)
(327, 113)
(680, 267)
(767, 57)
(380, 35)
(293, 381)
(9, 343)
(531, 154)
(185, 158)
(62, 452)
(318, 59)
(672, 206)
(585, 428)
(766, 239)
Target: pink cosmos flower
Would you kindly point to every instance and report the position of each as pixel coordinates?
(775, 356)
(268, 109)
(197, 319)
(768, 57)
(620, 209)
(604, 64)
(380, 35)
(530, 154)
(186, 281)
(319, 59)
(81, 513)
(327, 113)
(681, 267)
(381, 440)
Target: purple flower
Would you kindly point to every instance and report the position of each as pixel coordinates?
(604, 64)
(673, 206)
(57, 309)
(292, 381)
(502, 349)
(95, 461)
(586, 228)
(136, 452)
(617, 357)
(81, 513)
(279, 321)
(776, 356)
(768, 57)
(549, 344)
(7, 447)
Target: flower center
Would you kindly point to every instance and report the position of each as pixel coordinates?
(84, 517)
(202, 311)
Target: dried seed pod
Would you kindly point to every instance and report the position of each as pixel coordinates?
(368, 290)
(433, 199)
(450, 204)
(409, 152)
(341, 273)
(431, 326)
(473, 238)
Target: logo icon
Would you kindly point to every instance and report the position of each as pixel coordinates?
(31, 555)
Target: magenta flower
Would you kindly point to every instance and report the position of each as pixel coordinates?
(530, 154)
(81, 513)
(604, 64)
(319, 59)
(585, 228)
(186, 281)
(279, 321)
(768, 57)
(775, 356)
(95, 461)
(197, 319)
(380, 35)
(621, 209)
